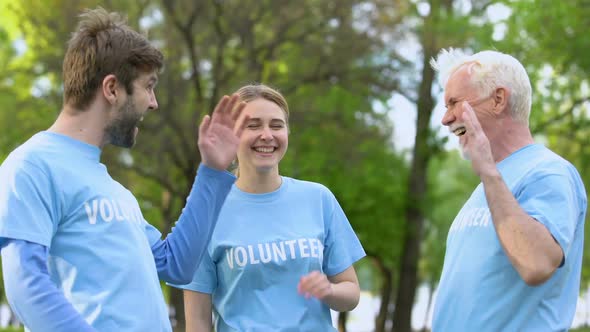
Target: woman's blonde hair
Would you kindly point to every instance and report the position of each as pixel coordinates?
(255, 91)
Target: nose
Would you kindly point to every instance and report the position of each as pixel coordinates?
(449, 117)
(266, 134)
(153, 105)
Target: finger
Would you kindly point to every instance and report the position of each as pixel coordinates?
(304, 283)
(204, 126)
(220, 106)
(236, 113)
(231, 104)
(313, 284)
(318, 286)
(239, 128)
(472, 125)
(324, 292)
(302, 286)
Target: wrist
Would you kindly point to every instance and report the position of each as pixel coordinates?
(490, 174)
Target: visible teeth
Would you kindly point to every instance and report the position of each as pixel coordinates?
(459, 131)
(264, 150)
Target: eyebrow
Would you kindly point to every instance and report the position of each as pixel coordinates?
(450, 101)
(271, 120)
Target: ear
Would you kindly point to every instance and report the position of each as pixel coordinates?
(501, 96)
(110, 89)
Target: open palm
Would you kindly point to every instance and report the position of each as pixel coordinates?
(219, 134)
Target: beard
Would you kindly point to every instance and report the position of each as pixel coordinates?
(464, 153)
(121, 131)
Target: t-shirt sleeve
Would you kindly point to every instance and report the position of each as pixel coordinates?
(152, 233)
(27, 206)
(553, 200)
(205, 278)
(342, 247)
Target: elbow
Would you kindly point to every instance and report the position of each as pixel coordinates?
(351, 303)
(537, 276)
(356, 298)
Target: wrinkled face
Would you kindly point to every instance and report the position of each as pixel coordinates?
(458, 89)
(123, 128)
(265, 138)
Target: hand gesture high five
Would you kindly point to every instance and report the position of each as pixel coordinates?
(219, 134)
(476, 143)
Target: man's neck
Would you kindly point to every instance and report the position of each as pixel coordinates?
(511, 137)
(84, 125)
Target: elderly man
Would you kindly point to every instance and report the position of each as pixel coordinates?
(514, 251)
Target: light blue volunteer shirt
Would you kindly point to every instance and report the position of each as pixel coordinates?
(56, 193)
(262, 245)
(479, 289)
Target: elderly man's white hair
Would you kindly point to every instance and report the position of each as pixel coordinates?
(490, 70)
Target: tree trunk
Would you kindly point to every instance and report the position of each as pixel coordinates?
(342, 317)
(386, 291)
(177, 302)
(402, 317)
(430, 295)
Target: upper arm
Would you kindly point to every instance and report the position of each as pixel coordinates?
(342, 247)
(553, 201)
(28, 208)
(347, 275)
(198, 313)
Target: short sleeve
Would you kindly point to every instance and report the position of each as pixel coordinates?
(152, 233)
(342, 247)
(27, 205)
(553, 201)
(205, 278)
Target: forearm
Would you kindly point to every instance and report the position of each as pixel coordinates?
(528, 244)
(35, 299)
(345, 296)
(197, 309)
(178, 256)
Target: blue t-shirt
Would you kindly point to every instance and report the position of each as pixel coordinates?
(99, 245)
(262, 245)
(479, 289)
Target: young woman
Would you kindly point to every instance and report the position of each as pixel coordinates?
(281, 254)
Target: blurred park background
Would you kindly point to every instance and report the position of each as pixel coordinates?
(365, 111)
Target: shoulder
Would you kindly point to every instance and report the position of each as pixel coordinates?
(552, 168)
(307, 186)
(311, 191)
(546, 162)
(29, 157)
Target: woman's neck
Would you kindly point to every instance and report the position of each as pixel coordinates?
(258, 183)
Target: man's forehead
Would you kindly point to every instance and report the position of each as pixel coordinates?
(148, 74)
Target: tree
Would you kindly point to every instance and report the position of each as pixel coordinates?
(435, 24)
(550, 39)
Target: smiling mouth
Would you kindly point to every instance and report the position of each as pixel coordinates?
(459, 131)
(264, 149)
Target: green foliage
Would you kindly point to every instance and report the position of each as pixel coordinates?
(550, 39)
(12, 329)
